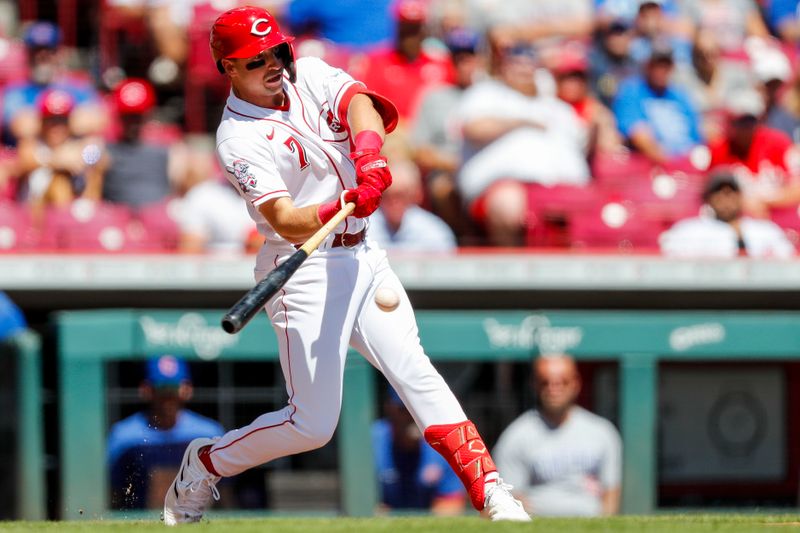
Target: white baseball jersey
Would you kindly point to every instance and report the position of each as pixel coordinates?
(293, 150)
(302, 151)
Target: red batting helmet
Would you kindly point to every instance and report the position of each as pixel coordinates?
(247, 31)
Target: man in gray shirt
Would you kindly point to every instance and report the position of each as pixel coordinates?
(560, 458)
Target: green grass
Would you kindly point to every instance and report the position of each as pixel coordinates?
(637, 524)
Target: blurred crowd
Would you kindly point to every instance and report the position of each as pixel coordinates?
(630, 125)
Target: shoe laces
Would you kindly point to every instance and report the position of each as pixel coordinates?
(501, 494)
(198, 481)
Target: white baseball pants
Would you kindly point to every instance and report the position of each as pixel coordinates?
(325, 307)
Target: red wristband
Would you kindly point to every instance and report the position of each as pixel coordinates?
(367, 141)
(326, 211)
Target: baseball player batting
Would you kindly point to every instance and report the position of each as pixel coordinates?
(300, 139)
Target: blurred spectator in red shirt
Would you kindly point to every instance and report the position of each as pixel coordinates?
(46, 70)
(56, 165)
(763, 159)
(435, 133)
(402, 73)
(723, 230)
(571, 72)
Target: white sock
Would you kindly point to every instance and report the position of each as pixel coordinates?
(489, 480)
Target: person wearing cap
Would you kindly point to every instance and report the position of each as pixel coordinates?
(764, 159)
(58, 166)
(773, 71)
(434, 135)
(655, 116)
(47, 71)
(571, 72)
(566, 460)
(407, 68)
(144, 450)
(139, 172)
(722, 230)
(297, 178)
(610, 60)
(515, 136)
(411, 475)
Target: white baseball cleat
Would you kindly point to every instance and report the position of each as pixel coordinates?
(500, 504)
(193, 488)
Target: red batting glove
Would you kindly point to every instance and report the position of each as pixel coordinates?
(326, 211)
(366, 197)
(371, 166)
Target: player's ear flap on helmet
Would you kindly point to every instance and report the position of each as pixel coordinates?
(285, 51)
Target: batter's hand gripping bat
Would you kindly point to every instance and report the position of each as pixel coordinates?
(251, 303)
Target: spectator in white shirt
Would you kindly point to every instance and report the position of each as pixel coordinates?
(211, 218)
(722, 231)
(514, 136)
(401, 224)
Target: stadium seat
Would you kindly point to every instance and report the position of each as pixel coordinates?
(17, 231)
(87, 226)
(159, 226)
(550, 209)
(662, 197)
(619, 168)
(616, 226)
(788, 218)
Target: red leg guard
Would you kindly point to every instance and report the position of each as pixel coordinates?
(462, 447)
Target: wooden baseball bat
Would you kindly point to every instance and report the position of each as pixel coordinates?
(251, 303)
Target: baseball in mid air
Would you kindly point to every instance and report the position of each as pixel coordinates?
(386, 299)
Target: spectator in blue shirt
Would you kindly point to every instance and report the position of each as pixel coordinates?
(45, 62)
(656, 117)
(12, 320)
(145, 449)
(411, 474)
(356, 24)
(783, 18)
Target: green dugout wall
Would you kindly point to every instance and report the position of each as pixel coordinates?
(22, 352)
(638, 341)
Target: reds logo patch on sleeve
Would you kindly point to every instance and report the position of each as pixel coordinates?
(241, 171)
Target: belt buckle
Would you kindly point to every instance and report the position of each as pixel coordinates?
(347, 238)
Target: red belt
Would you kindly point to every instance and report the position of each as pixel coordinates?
(348, 240)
